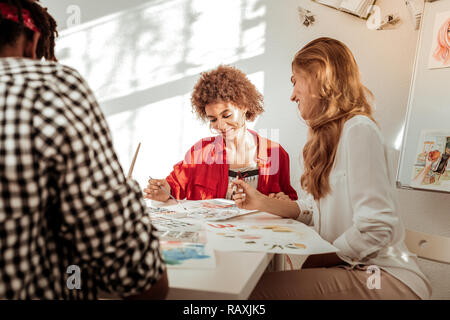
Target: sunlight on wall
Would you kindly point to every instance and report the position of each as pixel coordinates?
(142, 64)
(162, 41)
(165, 129)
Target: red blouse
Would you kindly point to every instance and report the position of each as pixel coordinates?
(203, 174)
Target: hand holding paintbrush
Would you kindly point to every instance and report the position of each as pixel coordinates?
(158, 189)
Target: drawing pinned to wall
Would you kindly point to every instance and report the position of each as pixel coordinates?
(440, 47)
(187, 255)
(431, 168)
(280, 238)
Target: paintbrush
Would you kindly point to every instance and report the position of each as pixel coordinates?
(130, 172)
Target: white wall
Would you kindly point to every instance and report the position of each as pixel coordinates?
(385, 59)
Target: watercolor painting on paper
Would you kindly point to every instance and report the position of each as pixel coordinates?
(294, 238)
(179, 254)
(440, 47)
(431, 169)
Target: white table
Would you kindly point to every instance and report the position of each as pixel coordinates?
(235, 276)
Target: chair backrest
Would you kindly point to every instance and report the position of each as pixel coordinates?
(428, 246)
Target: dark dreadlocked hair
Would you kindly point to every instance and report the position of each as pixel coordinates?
(10, 30)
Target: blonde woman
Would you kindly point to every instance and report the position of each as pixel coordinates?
(349, 198)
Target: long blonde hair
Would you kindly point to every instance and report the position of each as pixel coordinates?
(342, 96)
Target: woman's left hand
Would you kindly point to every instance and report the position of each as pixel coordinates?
(247, 197)
(279, 195)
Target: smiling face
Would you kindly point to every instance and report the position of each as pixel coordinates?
(225, 119)
(304, 93)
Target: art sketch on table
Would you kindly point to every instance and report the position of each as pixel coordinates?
(167, 212)
(212, 209)
(294, 238)
(163, 223)
(181, 236)
(431, 168)
(178, 254)
(440, 47)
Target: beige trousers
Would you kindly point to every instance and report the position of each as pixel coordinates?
(335, 283)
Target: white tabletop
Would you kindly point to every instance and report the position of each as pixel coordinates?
(235, 276)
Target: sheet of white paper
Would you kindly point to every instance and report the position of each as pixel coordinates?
(211, 210)
(291, 238)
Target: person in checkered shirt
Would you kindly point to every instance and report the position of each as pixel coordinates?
(65, 204)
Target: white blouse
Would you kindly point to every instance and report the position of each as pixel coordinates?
(359, 216)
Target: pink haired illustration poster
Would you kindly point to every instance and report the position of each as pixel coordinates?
(440, 47)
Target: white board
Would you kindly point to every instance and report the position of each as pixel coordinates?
(429, 98)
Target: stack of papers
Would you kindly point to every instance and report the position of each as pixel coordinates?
(360, 8)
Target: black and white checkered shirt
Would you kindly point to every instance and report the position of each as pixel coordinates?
(64, 199)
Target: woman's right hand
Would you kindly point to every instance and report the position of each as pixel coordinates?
(154, 191)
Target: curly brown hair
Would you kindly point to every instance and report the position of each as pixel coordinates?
(226, 84)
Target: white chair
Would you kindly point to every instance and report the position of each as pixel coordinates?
(428, 246)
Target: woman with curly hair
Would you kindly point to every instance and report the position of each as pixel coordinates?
(227, 100)
(348, 194)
